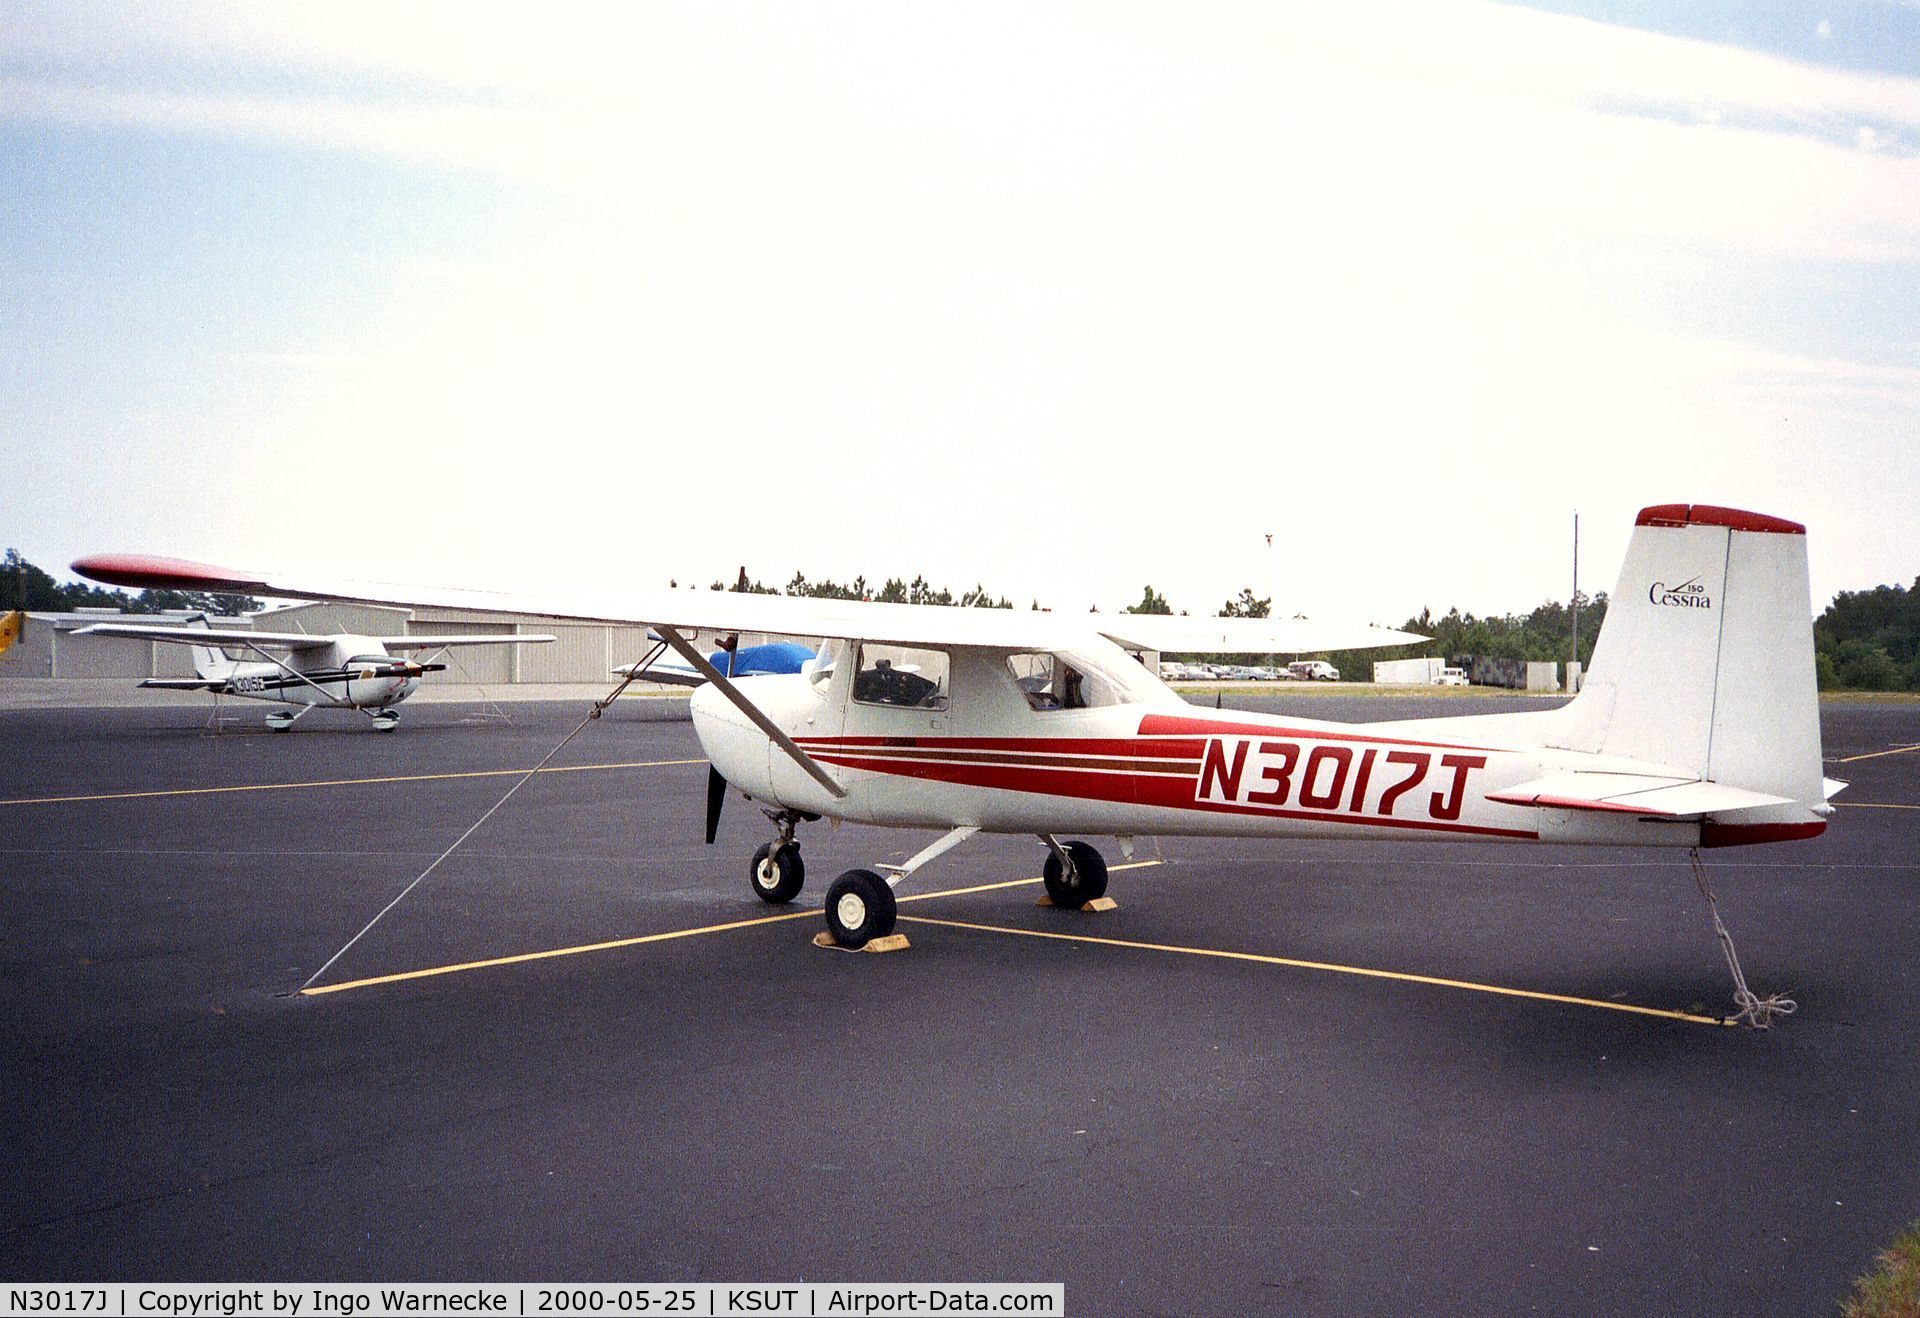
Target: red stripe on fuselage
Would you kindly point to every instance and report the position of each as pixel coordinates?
(1182, 725)
(1168, 791)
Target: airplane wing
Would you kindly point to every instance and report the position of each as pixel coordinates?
(140, 631)
(1637, 794)
(1171, 634)
(781, 615)
(435, 642)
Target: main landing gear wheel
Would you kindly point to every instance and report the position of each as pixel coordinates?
(860, 908)
(1078, 882)
(777, 872)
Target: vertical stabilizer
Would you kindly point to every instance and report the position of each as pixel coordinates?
(208, 661)
(1705, 661)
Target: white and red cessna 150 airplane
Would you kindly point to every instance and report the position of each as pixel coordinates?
(342, 670)
(1698, 725)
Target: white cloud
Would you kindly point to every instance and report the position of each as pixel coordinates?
(981, 292)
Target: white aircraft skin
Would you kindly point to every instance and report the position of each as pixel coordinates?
(1698, 725)
(336, 671)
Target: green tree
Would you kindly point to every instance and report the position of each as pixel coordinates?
(1246, 606)
(1151, 601)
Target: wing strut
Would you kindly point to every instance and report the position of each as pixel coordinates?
(747, 707)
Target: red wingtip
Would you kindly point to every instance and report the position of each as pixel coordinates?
(152, 570)
(1707, 514)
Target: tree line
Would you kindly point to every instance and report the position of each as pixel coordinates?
(1869, 640)
(1866, 640)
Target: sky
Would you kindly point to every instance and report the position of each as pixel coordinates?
(1061, 299)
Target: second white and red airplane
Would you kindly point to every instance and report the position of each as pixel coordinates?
(1698, 725)
(305, 672)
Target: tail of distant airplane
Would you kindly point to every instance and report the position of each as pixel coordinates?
(1705, 661)
(207, 661)
(11, 625)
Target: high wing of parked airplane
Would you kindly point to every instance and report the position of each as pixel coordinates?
(339, 670)
(1698, 725)
(734, 660)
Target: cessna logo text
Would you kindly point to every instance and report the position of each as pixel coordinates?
(1689, 594)
(1294, 777)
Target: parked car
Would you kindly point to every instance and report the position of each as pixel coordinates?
(1315, 670)
(1451, 677)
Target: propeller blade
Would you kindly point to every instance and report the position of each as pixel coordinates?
(716, 797)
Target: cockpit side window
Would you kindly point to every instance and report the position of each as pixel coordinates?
(902, 676)
(1059, 681)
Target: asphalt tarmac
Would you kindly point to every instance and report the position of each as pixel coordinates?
(1121, 1106)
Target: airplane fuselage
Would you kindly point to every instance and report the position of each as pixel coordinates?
(1161, 766)
(354, 672)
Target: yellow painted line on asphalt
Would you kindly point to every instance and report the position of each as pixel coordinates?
(1295, 964)
(523, 957)
(1874, 755)
(340, 782)
(668, 936)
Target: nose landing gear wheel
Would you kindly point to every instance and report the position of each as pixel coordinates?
(777, 872)
(386, 720)
(1080, 881)
(860, 908)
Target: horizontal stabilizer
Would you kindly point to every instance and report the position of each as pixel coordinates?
(1636, 794)
(186, 683)
(662, 673)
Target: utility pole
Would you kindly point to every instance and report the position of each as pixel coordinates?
(1576, 601)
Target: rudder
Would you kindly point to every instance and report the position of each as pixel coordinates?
(1705, 661)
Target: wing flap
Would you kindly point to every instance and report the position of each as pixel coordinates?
(1636, 794)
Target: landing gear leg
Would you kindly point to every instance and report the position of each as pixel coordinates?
(1075, 873)
(280, 720)
(860, 904)
(777, 873)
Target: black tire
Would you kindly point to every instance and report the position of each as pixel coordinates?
(860, 908)
(1087, 880)
(777, 872)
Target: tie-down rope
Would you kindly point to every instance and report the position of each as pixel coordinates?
(1754, 1009)
(599, 708)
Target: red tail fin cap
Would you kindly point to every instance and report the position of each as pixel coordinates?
(1707, 514)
